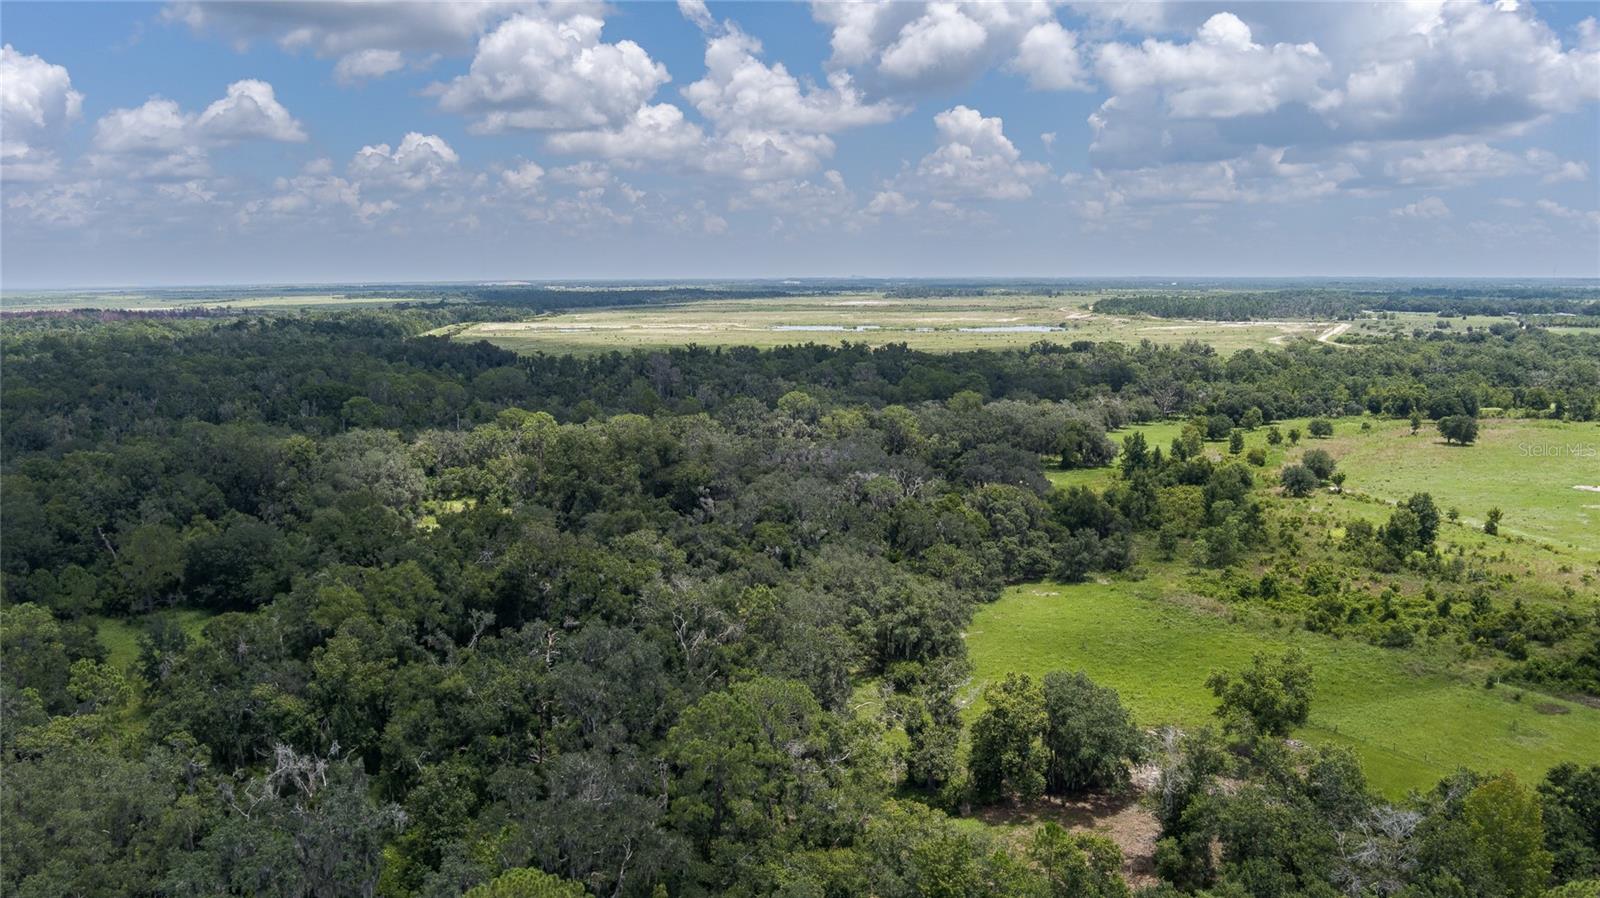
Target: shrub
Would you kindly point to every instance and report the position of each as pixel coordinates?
(1298, 480)
(1273, 695)
(1320, 463)
(1460, 429)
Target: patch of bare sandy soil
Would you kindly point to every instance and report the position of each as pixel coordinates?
(1332, 333)
(1120, 816)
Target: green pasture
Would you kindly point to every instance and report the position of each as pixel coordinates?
(1407, 717)
(1160, 434)
(1530, 468)
(1156, 434)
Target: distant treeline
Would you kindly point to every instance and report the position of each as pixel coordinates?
(550, 299)
(71, 383)
(931, 292)
(121, 314)
(1340, 305)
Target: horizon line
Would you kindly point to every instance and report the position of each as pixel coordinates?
(773, 279)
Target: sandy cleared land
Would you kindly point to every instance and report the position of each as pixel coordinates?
(932, 324)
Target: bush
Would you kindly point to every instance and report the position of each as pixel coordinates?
(1273, 695)
(1460, 429)
(1007, 755)
(1218, 427)
(1298, 480)
(1320, 463)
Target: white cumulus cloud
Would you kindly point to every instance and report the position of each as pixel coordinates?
(916, 45)
(523, 178)
(420, 161)
(1050, 58)
(1222, 73)
(975, 159)
(250, 111)
(552, 72)
(160, 140)
(369, 38)
(36, 101)
(740, 90)
(657, 131)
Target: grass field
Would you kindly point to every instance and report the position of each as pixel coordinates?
(120, 636)
(936, 324)
(1528, 468)
(939, 324)
(1408, 719)
(1549, 525)
(1160, 434)
(1156, 434)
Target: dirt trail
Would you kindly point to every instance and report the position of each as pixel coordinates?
(1328, 335)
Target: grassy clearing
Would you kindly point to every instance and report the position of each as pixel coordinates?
(1406, 716)
(1406, 323)
(120, 635)
(1156, 434)
(945, 324)
(1528, 468)
(935, 324)
(1551, 533)
(1160, 434)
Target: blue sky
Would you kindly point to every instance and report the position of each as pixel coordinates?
(192, 143)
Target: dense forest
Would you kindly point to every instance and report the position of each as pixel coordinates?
(421, 618)
(1335, 304)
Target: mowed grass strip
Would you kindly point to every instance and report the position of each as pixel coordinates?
(1408, 722)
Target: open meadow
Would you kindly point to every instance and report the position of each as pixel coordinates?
(1533, 469)
(1409, 719)
(1545, 475)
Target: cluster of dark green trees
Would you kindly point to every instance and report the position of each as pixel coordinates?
(1324, 303)
(1253, 818)
(417, 618)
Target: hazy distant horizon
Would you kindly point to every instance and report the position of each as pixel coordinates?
(1592, 283)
